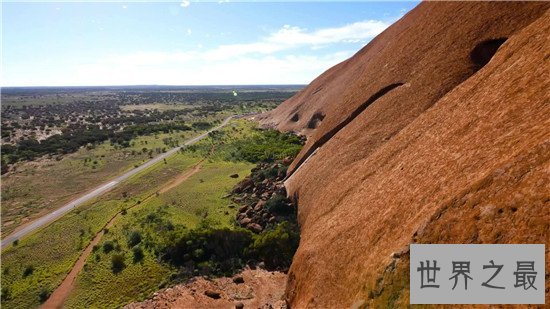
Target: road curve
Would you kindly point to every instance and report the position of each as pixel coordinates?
(58, 213)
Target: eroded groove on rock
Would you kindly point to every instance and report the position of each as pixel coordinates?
(317, 90)
(323, 139)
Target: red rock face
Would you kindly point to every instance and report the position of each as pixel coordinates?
(435, 132)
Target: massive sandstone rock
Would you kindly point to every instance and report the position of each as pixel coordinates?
(417, 139)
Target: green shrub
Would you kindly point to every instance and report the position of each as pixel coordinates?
(278, 204)
(264, 146)
(201, 125)
(108, 246)
(277, 247)
(257, 146)
(44, 294)
(117, 263)
(223, 249)
(134, 238)
(137, 254)
(28, 271)
(6, 293)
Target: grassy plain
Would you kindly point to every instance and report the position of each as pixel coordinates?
(198, 201)
(52, 251)
(156, 106)
(52, 98)
(37, 187)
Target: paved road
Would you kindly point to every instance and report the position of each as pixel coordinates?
(58, 213)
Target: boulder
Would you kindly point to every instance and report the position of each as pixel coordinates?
(245, 221)
(260, 205)
(254, 227)
(212, 294)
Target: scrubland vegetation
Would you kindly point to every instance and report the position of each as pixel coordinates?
(187, 231)
(60, 142)
(254, 145)
(159, 239)
(46, 184)
(37, 122)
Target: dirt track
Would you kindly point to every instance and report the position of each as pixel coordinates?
(61, 293)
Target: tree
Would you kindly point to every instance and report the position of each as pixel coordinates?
(117, 263)
(108, 246)
(138, 254)
(134, 238)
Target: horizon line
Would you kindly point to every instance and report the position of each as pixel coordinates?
(149, 85)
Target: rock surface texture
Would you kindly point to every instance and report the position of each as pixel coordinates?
(437, 131)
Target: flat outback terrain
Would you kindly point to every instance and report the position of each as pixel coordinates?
(59, 144)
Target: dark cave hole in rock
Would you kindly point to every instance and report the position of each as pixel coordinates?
(315, 120)
(484, 51)
(295, 118)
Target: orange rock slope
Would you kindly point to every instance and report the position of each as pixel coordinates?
(437, 131)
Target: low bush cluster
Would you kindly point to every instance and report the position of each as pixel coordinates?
(278, 205)
(267, 146)
(205, 250)
(225, 251)
(259, 145)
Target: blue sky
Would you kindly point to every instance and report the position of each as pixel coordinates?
(184, 43)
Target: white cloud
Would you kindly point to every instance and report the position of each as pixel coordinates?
(362, 30)
(185, 3)
(279, 58)
(189, 31)
(289, 37)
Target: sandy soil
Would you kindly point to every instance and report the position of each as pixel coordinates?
(258, 289)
